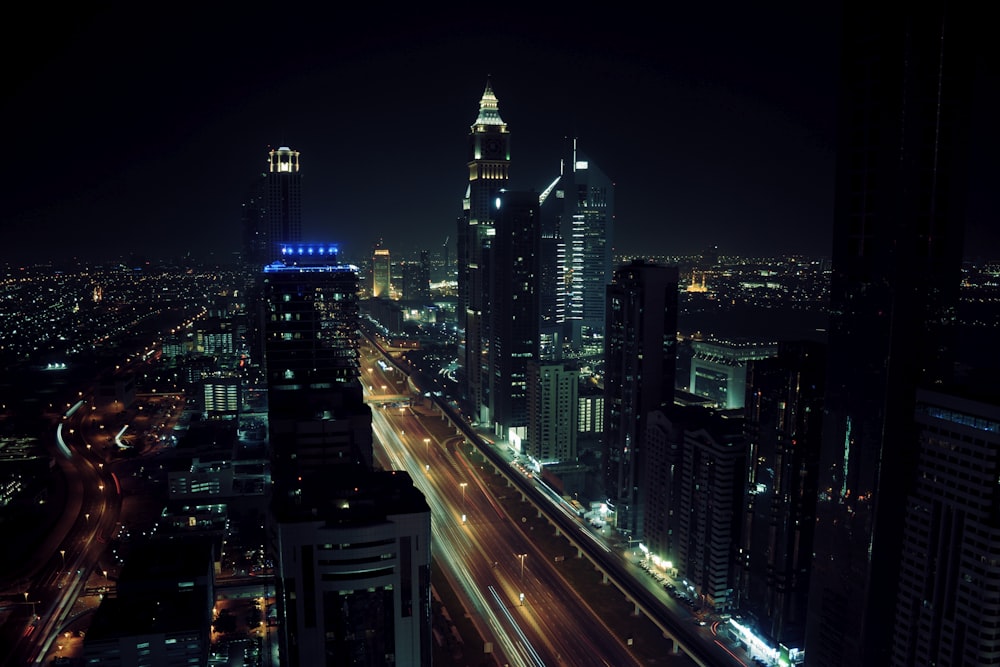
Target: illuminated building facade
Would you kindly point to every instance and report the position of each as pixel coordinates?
(577, 236)
(489, 163)
(221, 395)
(640, 365)
(552, 409)
(897, 247)
(719, 370)
(381, 273)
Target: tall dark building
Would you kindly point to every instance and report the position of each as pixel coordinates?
(272, 211)
(351, 545)
(712, 460)
(947, 601)
(783, 427)
(906, 84)
(640, 360)
(254, 226)
(489, 162)
(316, 411)
(512, 319)
(422, 289)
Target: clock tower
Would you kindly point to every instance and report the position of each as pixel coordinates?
(489, 164)
(489, 158)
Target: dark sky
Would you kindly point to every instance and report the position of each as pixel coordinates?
(134, 132)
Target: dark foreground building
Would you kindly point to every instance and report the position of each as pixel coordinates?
(906, 85)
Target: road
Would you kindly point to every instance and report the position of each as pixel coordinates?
(93, 509)
(520, 601)
(708, 643)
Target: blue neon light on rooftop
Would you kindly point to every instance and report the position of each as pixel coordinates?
(310, 249)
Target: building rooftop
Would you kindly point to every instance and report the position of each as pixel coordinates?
(350, 495)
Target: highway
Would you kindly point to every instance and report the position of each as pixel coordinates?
(95, 503)
(702, 644)
(521, 602)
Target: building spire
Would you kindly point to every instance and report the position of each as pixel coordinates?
(489, 110)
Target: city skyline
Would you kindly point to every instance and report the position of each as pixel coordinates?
(712, 134)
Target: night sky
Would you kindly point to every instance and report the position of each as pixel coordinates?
(140, 134)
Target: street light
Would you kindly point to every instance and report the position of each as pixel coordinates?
(427, 446)
(463, 485)
(62, 552)
(522, 557)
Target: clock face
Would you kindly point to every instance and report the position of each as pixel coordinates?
(492, 146)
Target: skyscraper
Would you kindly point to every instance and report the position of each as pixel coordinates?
(577, 237)
(712, 461)
(422, 289)
(640, 360)
(272, 212)
(897, 247)
(316, 411)
(489, 163)
(352, 546)
(283, 200)
(784, 412)
(511, 263)
(381, 273)
(947, 602)
(254, 226)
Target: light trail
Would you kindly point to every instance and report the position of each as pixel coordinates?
(735, 657)
(451, 542)
(118, 438)
(532, 654)
(63, 448)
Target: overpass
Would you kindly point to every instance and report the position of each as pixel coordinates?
(682, 635)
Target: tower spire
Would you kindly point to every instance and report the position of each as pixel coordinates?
(489, 108)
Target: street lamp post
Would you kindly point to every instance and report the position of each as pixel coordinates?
(427, 446)
(463, 485)
(32, 603)
(522, 557)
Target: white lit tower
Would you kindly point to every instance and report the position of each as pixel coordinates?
(577, 235)
(282, 201)
(381, 273)
(489, 162)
